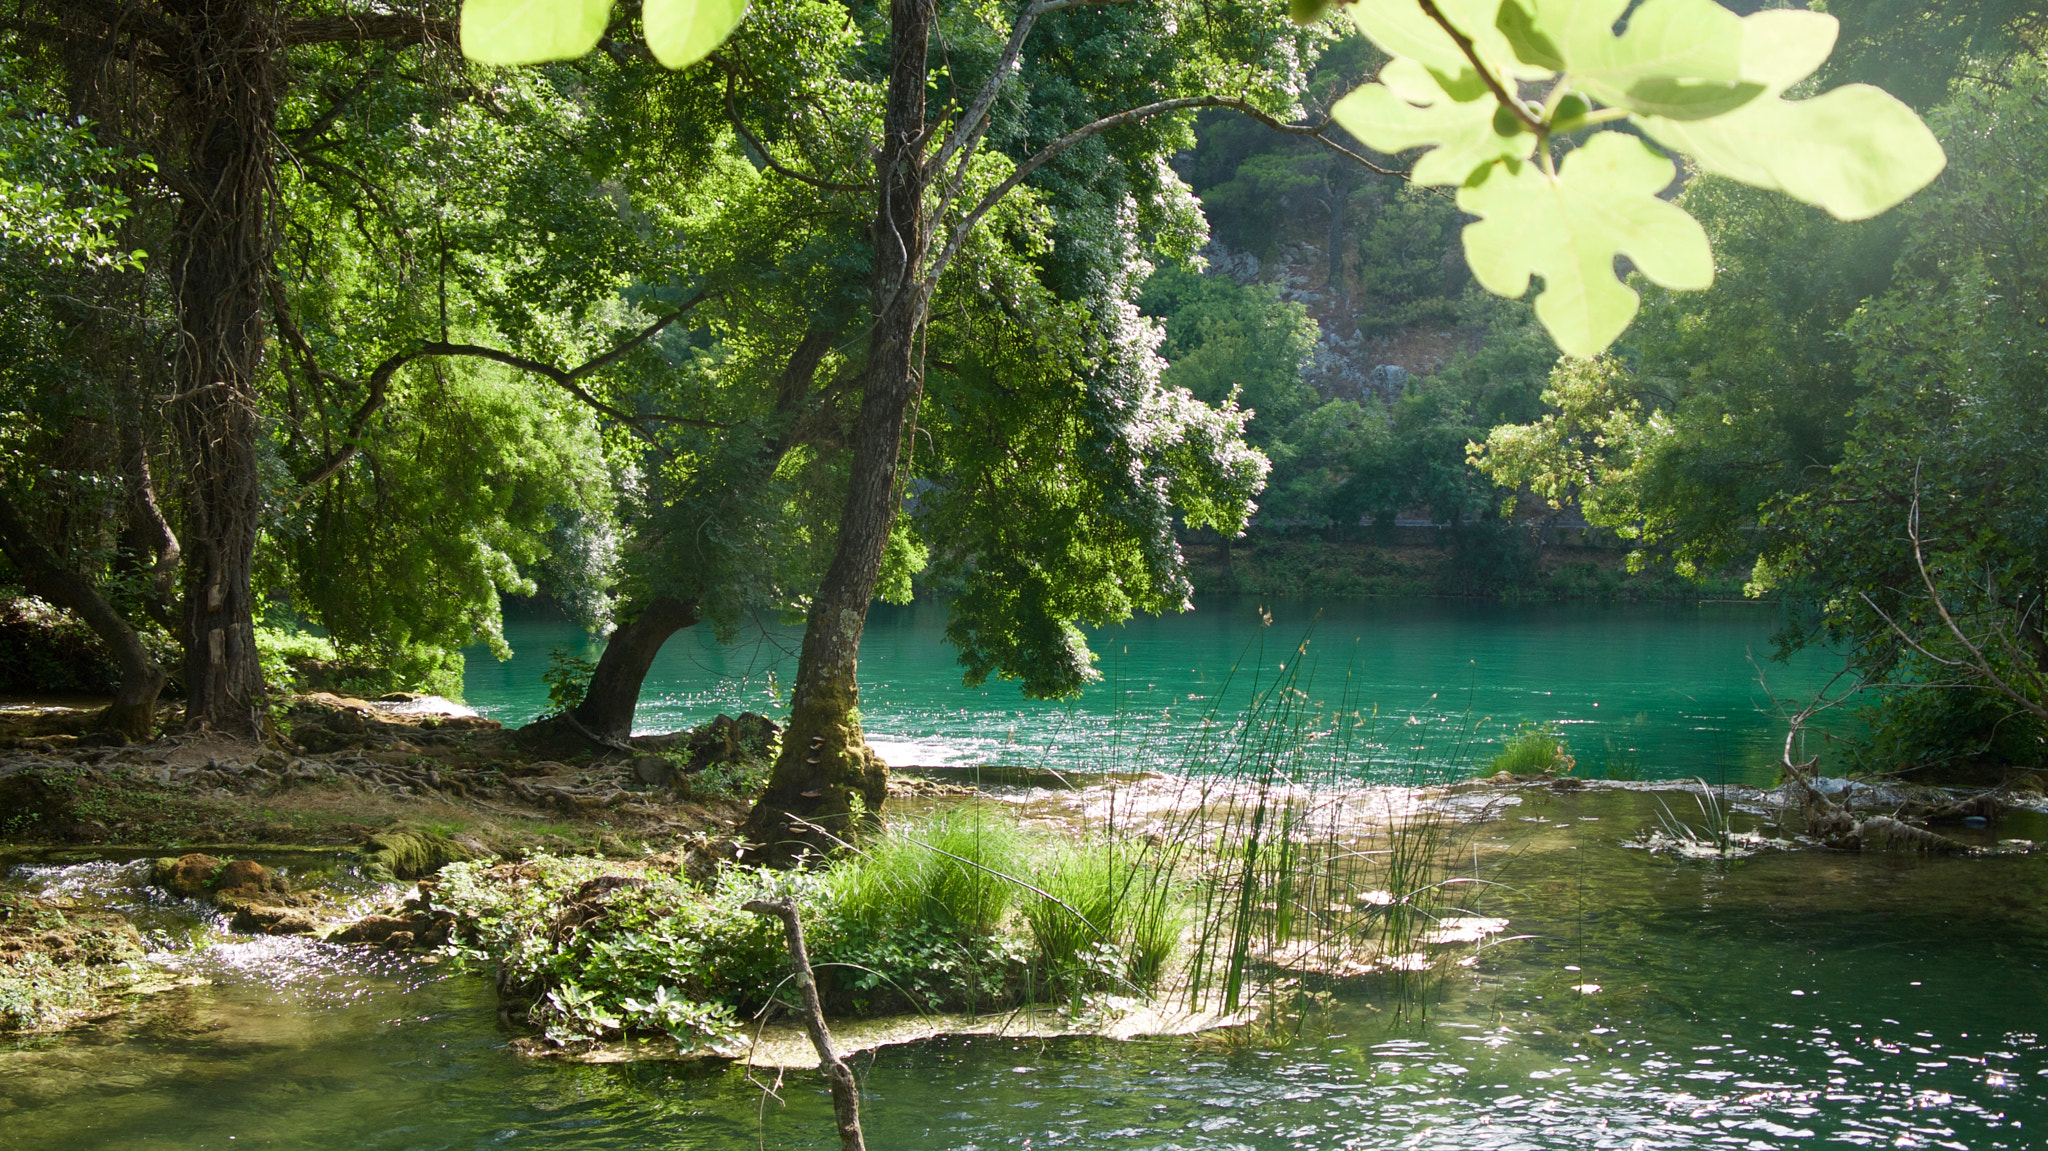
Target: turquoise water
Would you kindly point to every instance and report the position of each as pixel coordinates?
(1766, 1004)
(1439, 682)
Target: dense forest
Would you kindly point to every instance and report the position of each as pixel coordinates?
(344, 340)
(327, 344)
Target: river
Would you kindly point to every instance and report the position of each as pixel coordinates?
(1636, 1001)
(1673, 689)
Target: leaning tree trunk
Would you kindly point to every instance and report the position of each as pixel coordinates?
(605, 717)
(133, 712)
(826, 776)
(220, 252)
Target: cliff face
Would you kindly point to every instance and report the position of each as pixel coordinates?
(1375, 263)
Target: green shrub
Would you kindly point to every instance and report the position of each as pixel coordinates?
(568, 679)
(1622, 762)
(1104, 916)
(1532, 750)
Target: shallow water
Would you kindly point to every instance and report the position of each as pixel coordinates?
(1780, 1001)
(1442, 682)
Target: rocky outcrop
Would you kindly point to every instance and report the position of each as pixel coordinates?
(259, 899)
(415, 924)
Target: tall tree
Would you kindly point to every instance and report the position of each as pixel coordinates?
(197, 84)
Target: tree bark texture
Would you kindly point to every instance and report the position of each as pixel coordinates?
(220, 254)
(614, 694)
(133, 712)
(826, 776)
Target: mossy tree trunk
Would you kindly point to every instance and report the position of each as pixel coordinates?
(219, 261)
(826, 777)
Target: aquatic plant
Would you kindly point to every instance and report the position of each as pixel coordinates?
(1534, 749)
(1622, 764)
(1714, 834)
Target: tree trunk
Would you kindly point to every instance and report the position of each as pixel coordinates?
(133, 712)
(826, 777)
(614, 694)
(220, 254)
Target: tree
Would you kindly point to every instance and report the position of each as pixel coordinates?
(197, 82)
(62, 216)
(1859, 420)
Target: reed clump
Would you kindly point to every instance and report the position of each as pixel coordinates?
(1534, 749)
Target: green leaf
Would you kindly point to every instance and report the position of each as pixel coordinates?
(1854, 151)
(1569, 228)
(682, 32)
(1306, 12)
(1402, 28)
(531, 31)
(1677, 58)
(1530, 44)
(1411, 107)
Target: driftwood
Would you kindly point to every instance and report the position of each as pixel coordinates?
(1835, 825)
(845, 1093)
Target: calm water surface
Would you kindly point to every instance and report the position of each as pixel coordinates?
(1783, 1001)
(1442, 682)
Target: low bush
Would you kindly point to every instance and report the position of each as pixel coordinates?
(1533, 750)
(959, 913)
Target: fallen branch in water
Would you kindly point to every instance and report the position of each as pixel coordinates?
(845, 1093)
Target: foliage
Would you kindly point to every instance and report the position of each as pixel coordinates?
(925, 917)
(1858, 414)
(59, 197)
(1689, 74)
(1533, 750)
(1226, 341)
(568, 679)
(1105, 915)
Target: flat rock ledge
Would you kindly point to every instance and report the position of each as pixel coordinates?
(785, 1046)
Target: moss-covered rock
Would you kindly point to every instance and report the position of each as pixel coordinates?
(408, 853)
(58, 961)
(188, 876)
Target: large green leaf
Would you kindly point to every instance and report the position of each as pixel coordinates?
(1411, 108)
(1402, 29)
(1854, 151)
(682, 32)
(1568, 229)
(531, 31)
(1677, 58)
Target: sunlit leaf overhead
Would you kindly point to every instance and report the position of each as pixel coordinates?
(1854, 151)
(1568, 229)
(682, 32)
(531, 31)
(1411, 108)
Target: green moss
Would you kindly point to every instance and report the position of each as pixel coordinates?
(409, 853)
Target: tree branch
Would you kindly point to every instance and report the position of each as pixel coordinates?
(1507, 100)
(845, 1091)
(380, 380)
(1052, 151)
(362, 29)
(732, 113)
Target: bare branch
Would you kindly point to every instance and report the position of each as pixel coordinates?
(1978, 663)
(845, 1092)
